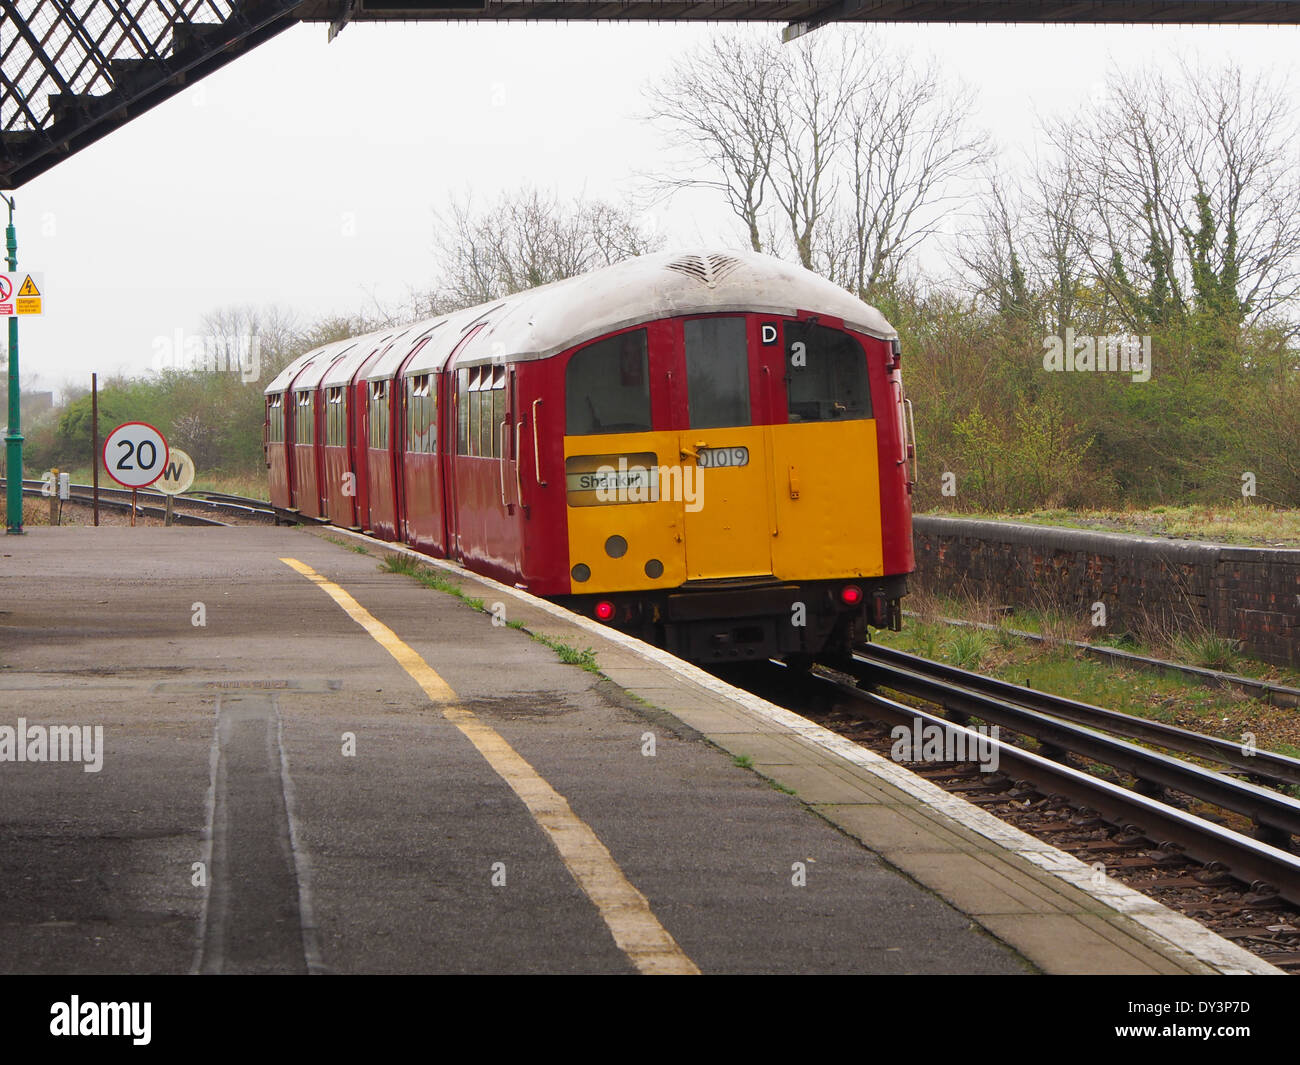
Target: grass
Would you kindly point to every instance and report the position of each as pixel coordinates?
(360, 549)
(1209, 651)
(743, 761)
(968, 648)
(409, 566)
(1234, 523)
(1161, 695)
(930, 635)
(400, 563)
(586, 658)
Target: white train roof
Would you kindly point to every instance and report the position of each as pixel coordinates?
(544, 321)
(342, 370)
(326, 357)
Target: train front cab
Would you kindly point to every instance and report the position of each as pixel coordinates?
(725, 478)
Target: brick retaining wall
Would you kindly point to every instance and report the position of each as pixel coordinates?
(1246, 593)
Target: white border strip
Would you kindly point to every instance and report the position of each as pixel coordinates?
(1180, 933)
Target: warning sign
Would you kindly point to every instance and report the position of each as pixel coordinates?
(21, 293)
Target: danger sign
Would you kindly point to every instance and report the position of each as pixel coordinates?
(20, 294)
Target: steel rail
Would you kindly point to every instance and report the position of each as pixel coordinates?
(1250, 860)
(179, 517)
(244, 506)
(1261, 764)
(1276, 816)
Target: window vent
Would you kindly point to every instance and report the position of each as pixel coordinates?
(707, 269)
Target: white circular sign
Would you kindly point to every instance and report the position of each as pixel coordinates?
(135, 454)
(178, 475)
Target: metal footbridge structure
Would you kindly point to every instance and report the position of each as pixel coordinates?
(72, 71)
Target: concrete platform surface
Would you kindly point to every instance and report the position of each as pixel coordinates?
(315, 765)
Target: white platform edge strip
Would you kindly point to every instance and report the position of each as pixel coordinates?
(1178, 932)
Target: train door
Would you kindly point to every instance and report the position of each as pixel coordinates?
(448, 407)
(358, 406)
(510, 545)
(820, 498)
(725, 480)
(457, 480)
(419, 482)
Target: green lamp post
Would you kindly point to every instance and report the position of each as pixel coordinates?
(14, 437)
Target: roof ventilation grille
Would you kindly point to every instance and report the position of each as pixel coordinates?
(706, 269)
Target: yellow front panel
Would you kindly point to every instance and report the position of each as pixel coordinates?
(652, 528)
(729, 524)
(827, 491)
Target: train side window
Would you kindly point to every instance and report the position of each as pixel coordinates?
(475, 411)
(335, 422)
(275, 419)
(462, 412)
(379, 414)
(607, 387)
(825, 374)
(498, 407)
(485, 433)
(717, 372)
(420, 415)
(304, 425)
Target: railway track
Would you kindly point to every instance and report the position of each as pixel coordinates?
(1216, 842)
(201, 508)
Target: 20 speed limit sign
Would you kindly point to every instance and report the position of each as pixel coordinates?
(135, 454)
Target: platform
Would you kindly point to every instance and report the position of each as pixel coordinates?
(343, 770)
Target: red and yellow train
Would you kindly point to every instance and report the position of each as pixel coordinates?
(708, 451)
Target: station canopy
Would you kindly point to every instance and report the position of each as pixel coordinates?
(72, 71)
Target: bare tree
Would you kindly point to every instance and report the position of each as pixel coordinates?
(1188, 193)
(818, 95)
(908, 143)
(856, 159)
(263, 339)
(719, 106)
(527, 239)
(990, 252)
(1024, 248)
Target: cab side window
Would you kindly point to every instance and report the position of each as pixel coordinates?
(607, 387)
(825, 374)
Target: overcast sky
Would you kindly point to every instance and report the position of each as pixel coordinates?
(306, 174)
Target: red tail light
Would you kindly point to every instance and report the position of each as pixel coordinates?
(604, 610)
(851, 594)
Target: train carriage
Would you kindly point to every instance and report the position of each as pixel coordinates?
(706, 450)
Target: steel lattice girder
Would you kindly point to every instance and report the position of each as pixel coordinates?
(73, 70)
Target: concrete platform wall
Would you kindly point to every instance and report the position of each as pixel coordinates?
(1245, 593)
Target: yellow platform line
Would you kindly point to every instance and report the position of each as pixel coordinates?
(623, 908)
